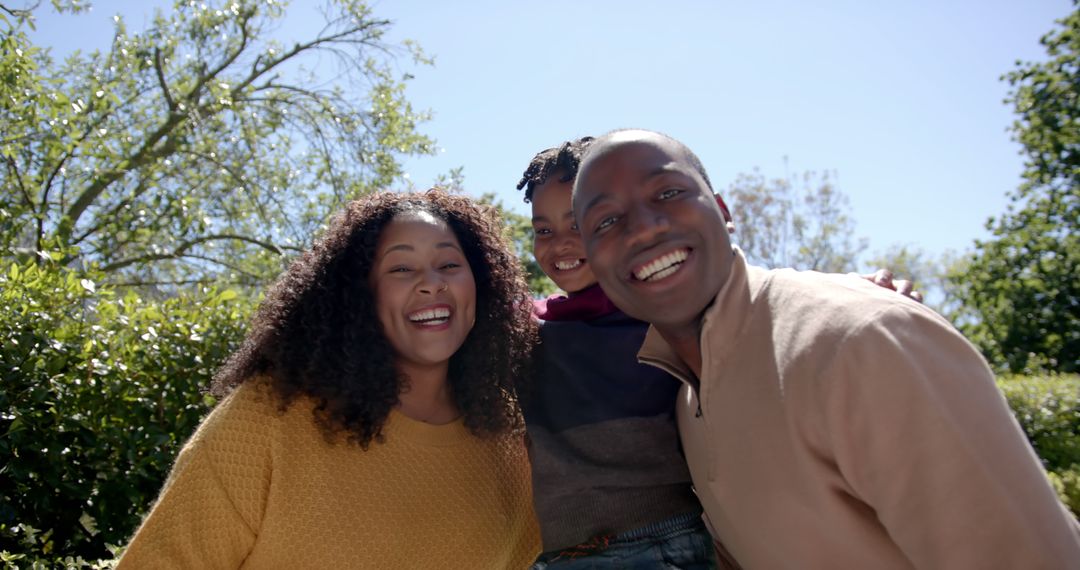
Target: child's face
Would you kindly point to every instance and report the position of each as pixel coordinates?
(557, 245)
(425, 294)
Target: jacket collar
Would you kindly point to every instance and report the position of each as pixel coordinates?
(721, 327)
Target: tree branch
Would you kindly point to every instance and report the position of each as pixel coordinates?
(21, 14)
(146, 153)
(111, 215)
(300, 48)
(181, 250)
(13, 169)
(161, 81)
(154, 283)
(223, 264)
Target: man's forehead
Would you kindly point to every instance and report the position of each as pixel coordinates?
(619, 139)
(632, 135)
(593, 187)
(654, 155)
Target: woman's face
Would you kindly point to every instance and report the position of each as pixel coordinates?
(425, 295)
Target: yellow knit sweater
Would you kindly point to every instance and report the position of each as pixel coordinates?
(255, 488)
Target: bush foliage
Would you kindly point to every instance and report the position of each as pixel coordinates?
(1048, 408)
(98, 390)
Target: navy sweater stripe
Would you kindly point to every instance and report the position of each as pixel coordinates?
(603, 442)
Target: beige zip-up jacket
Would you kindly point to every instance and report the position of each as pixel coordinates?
(840, 425)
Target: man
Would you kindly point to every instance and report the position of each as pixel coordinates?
(827, 423)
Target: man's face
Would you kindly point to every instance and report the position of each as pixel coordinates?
(556, 242)
(653, 233)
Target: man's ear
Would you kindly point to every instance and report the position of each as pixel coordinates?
(730, 223)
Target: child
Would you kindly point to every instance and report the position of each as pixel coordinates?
(609, 481)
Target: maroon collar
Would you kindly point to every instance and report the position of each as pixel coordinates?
(584, 305)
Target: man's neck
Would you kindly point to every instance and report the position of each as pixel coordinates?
(686, 342)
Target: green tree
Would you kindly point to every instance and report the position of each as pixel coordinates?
(1020, 289)
(807, 227)
(204, 146)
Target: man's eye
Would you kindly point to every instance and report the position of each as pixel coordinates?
(606, 222)
(542, 231)
(669, 193)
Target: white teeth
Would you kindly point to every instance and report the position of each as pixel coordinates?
(662, 267)
(434, 316)
(431, 322)
(663, 273)
(567, 264)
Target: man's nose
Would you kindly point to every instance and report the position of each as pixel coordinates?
(645, 224)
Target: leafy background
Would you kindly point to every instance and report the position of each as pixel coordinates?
(151, 189)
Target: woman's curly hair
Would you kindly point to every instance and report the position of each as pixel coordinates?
(316, 334)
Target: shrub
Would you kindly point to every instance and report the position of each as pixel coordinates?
(98, 390)
(1048, 409)
(1067, 484)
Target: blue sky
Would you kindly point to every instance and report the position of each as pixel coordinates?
(902, 100)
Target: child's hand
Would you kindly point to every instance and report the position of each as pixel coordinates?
(884, 278)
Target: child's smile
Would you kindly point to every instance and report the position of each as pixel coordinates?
(557, 245)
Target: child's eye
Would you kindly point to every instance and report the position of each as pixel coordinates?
(400, 269)
(669, 193)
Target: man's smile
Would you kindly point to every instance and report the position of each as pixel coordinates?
(662, 266)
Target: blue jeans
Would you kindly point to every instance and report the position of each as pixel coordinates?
(680, 543)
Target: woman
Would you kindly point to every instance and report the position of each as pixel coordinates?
(371, 421)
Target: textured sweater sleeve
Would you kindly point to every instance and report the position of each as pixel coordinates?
(209, 510)
(927, 440)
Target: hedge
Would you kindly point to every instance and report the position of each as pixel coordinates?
(99, 389)
(1048, 409)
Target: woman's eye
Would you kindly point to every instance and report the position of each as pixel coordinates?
(451, 265)
(669, 193)
(399, 269)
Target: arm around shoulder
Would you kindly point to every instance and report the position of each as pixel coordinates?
(922, 435)
(209, 510)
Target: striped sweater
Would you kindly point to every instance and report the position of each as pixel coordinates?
(603, 444)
